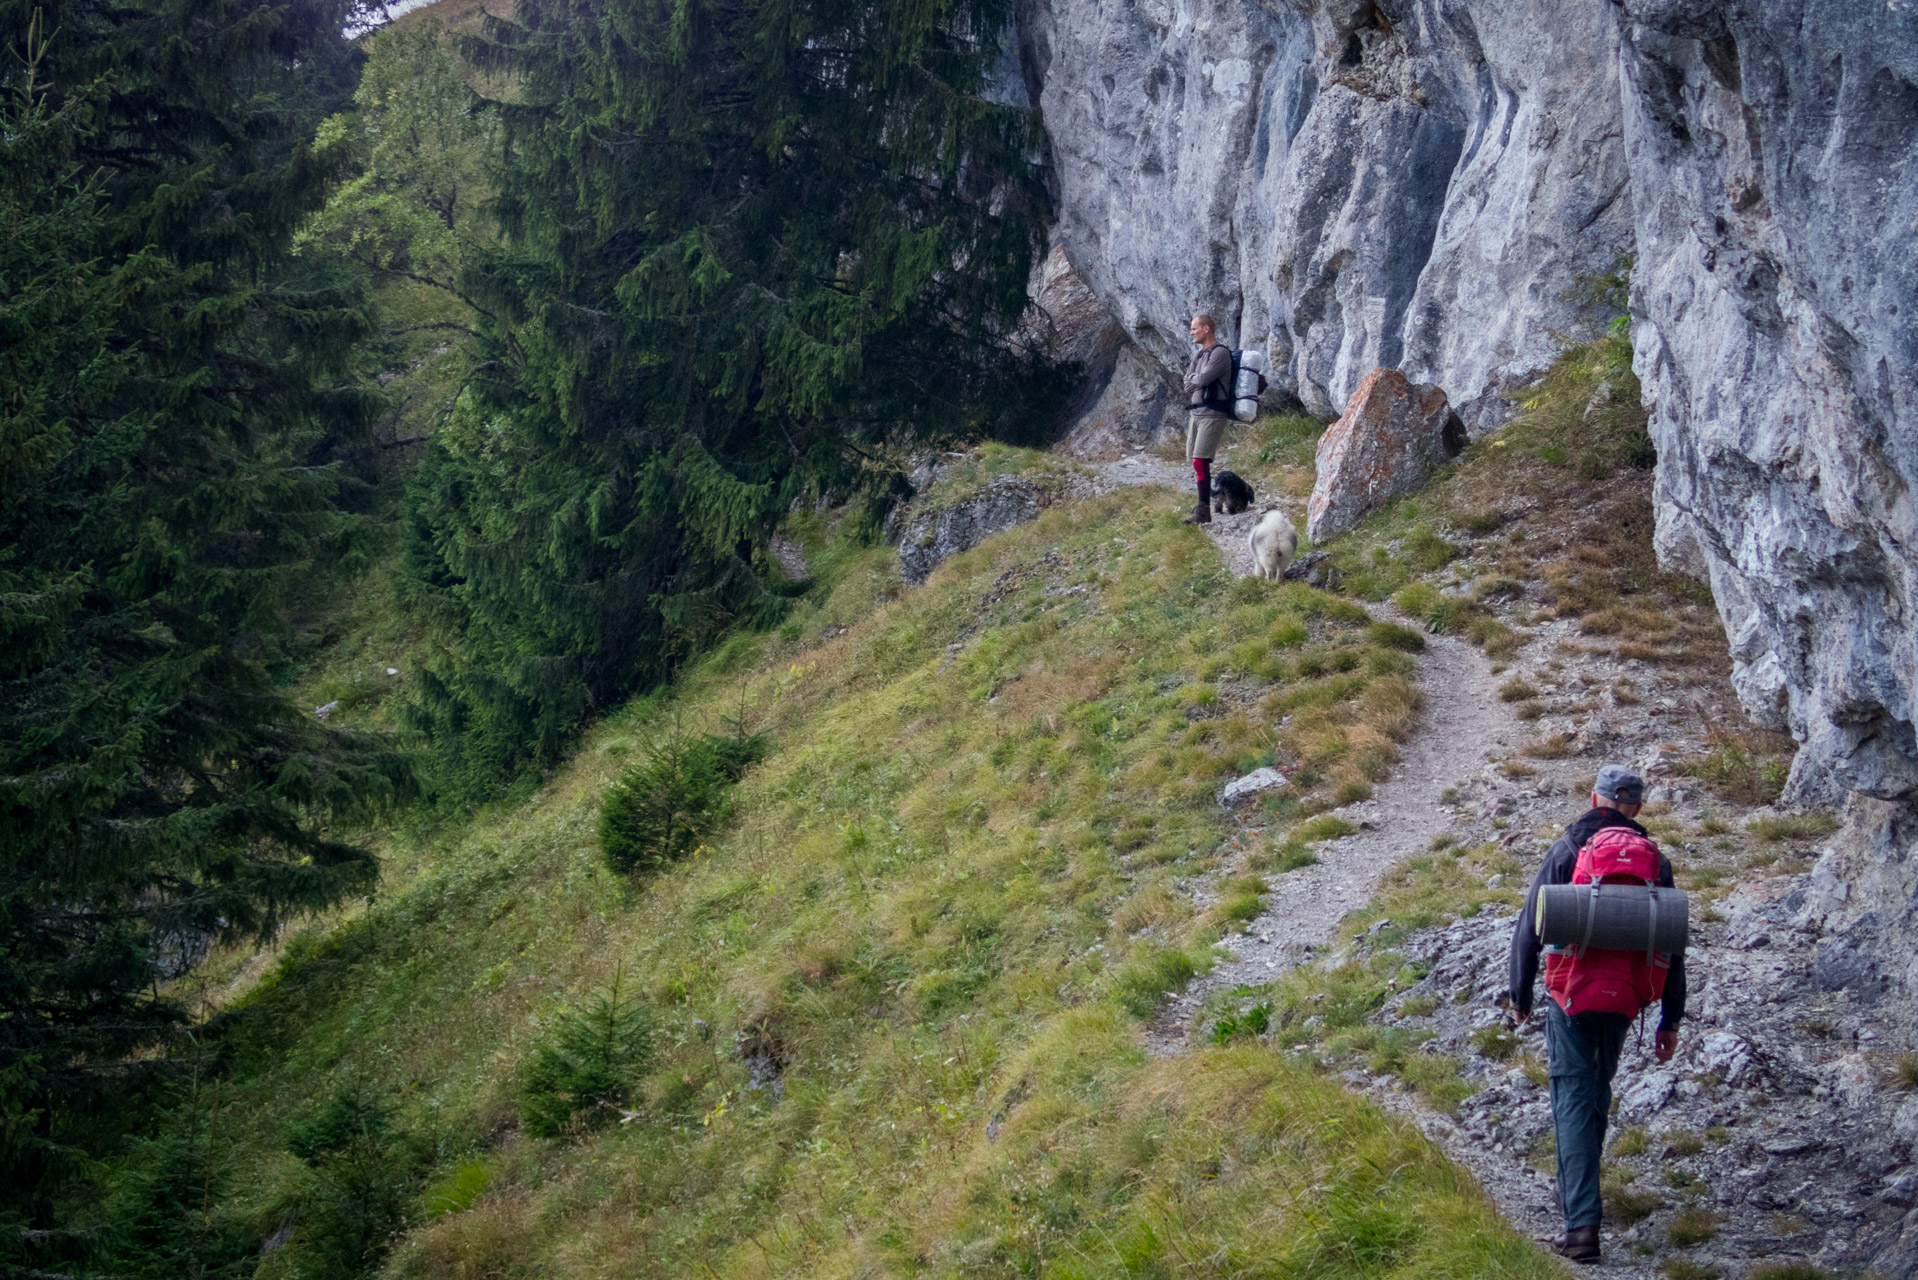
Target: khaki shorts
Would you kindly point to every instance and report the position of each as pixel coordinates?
(1202, 436)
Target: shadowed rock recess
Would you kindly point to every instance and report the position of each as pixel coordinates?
(1436, 186)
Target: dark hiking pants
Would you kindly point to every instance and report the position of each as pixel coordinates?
(1584, 1057)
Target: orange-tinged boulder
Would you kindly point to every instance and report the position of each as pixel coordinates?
(1393, 435)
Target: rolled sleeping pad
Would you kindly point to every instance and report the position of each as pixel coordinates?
(1245, 396)
(1629, 917)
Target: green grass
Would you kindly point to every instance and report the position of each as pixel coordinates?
(1631, 1142)
(1324, 827)
(1686, 1269)
(944, 902)
(1792, 827)
(1692, 1225)
(1555, 508)
(1685, 1142)
(1748, 769)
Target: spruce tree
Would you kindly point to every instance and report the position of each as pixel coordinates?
(164, 509)
(748, 243)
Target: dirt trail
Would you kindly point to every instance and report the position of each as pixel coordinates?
(1462, 726)
(1464, 723)
(1228, 531)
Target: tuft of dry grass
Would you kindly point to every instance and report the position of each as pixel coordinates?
(1792, 827)
(1557, 747)
(1692, 1225)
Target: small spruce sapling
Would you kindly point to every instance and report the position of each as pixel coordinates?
(588, 1065)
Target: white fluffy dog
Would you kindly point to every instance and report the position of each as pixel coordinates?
(1273, 542)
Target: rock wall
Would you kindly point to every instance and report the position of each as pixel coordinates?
(1424, 184)
(1348, 185)
(1770, 143)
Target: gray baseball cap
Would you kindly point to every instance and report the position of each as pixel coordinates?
(1616, 782)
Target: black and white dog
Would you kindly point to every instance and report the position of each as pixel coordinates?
(1233, 494)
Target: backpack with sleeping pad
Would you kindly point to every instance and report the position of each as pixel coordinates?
(1609, 935)
(1237, 393)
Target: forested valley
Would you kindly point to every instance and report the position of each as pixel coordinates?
(383, 404)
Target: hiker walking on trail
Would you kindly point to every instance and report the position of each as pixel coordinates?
(1594, 994)
(1208, 388)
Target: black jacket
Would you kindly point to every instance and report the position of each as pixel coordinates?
(1560, 859)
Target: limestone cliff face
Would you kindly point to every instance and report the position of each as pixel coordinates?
(1771, 145)
(1347, 185)
(1423, 183)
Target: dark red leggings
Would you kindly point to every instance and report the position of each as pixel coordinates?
(1202, 471)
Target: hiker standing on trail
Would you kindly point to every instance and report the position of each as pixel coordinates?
(1594, 994)
(1208, 388)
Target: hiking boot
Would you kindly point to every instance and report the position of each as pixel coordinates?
(1580, 1244)
(1202, 514)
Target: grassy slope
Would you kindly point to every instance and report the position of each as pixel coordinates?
(948, 895)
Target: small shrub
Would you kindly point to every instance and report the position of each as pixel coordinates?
(1148, 977)
(1417, 1007)
(1625, 1206)
(1289, 856)
(1690, 1226)
(1483, 520)
(1718, 1135)
(1904, 1071)
(1249, 1024)
(1440, 843)
(1749, 770)
(1240, 908)
(587, 1065)
(1516, 690)
(1542, 1152)
(1516, 769)
(1556, 747)
(459, 1189)
(361, 1185)
(1529, 710)
(659, 810)
(1787, 1271)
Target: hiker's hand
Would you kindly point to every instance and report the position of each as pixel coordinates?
(1666, 1044)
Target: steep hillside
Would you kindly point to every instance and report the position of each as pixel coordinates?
(897, 1000)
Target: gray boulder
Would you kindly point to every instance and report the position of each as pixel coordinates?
(929, 539)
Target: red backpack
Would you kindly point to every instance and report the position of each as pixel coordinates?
(1594, 979)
